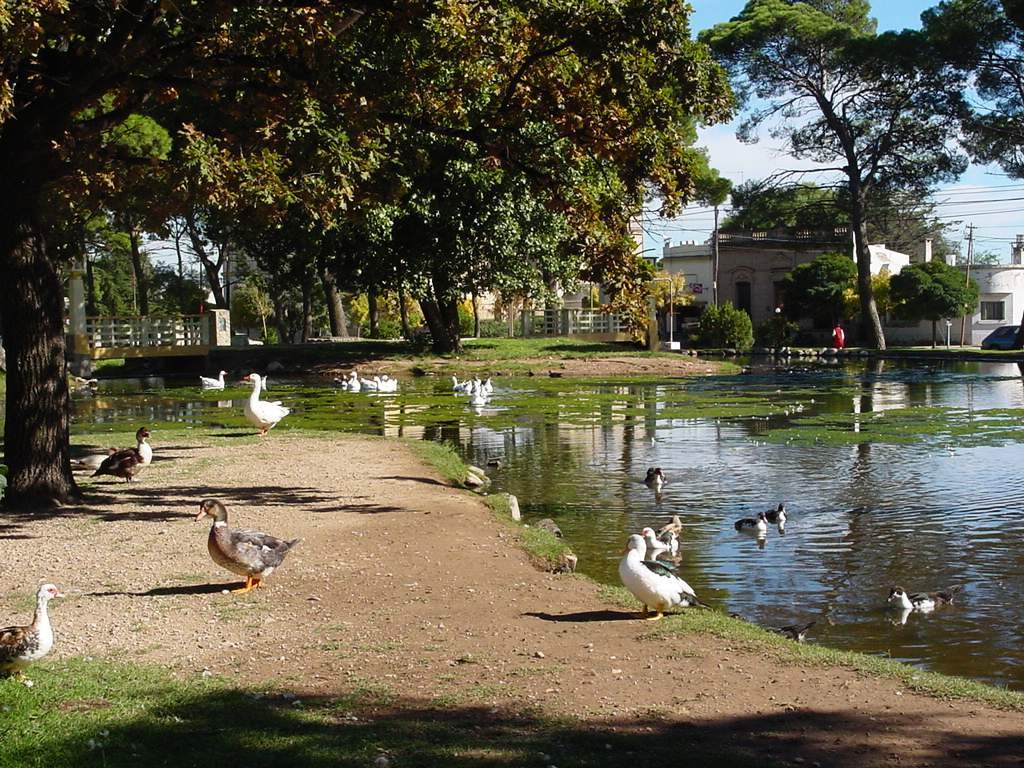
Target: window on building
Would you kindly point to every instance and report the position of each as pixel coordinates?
(993, 310)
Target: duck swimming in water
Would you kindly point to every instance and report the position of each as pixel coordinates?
(925, 602)
(655, 546)
(655, 478)
(776, 516)
(756, 525)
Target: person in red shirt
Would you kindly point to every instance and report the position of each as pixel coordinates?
(838, 337)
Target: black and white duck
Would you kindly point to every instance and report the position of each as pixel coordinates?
(756, 525)
(921, 601)
(654, 584)
(655, 478)
(128, 462)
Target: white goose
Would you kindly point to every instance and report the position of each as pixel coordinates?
(653, 584)
(262, 414)
(207, 383)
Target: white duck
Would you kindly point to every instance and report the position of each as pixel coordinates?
(386, 384)
(478, 399)
(461, 387)
(262, 414)
(20, 646)
(655, 546)
(653, 584)
(207, 383)
(487, 387)
(370, 385)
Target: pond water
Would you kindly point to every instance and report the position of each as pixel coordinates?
(892, 475)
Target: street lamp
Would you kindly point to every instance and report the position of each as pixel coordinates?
(671, 308)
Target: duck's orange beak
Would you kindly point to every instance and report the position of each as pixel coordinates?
(201, 515)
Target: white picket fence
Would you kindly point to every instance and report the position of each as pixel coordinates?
(184, 331)
(568, 322)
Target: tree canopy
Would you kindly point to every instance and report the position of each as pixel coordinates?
(865, 106)
(933, 291)
(819, 288)
(527, 133)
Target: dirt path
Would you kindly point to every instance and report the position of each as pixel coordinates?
(404, 587)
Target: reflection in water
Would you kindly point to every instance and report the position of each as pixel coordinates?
(864, 512)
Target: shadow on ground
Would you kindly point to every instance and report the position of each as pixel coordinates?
(230, 727)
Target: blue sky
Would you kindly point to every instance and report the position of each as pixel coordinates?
(742, 162)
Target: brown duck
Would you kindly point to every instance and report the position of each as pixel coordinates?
(128, 462)
(251, 554)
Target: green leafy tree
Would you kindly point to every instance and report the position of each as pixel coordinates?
(864, 105)
(725, 326)
(760, 206)
(818, 289)
(932, 291)
(70, 73)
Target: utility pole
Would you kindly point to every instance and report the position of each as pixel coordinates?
(970, 258)
(714, 276)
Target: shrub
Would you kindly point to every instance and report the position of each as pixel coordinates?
(776, 332)
(493, 329)
(725, 326)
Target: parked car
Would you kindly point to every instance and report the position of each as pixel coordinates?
(1001, 338)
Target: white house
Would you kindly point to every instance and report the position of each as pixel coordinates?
(692, 261)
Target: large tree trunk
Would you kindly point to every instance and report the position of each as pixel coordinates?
(138, 269)
(476, 316)
(36, 427)
(442, 316)
(335, 307)
(307, 307)
(870, 324)
(373, 312)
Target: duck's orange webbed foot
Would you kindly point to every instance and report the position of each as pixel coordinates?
(250, 584)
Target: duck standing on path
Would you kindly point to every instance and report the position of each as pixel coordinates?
(262, 414)
(925, 602)
(251, 554)
(128, 462)
(207, 383)
(653, 584)
(20, 646)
